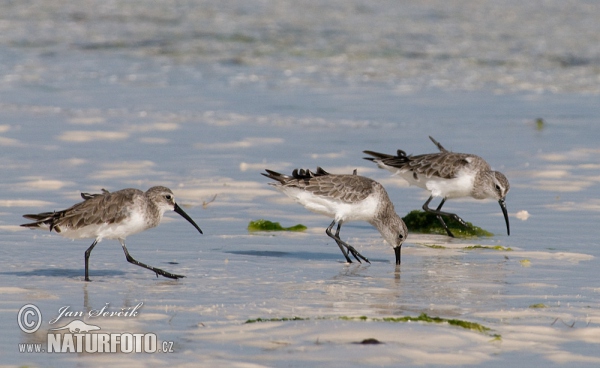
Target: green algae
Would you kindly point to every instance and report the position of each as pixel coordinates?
(495, 247)
(266, 225)
(496, 337)
(525, 262)
(424, 222)
(433, 246)
(346, 318)
(539, 124)
(285, 319)
(470, 247)
(423, 317)
(538, 305)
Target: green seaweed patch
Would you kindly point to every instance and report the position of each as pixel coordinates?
(424, 222)
(538, 305)
(433, 246)
(539, 124)
(266, 225)
(360, 318)
(284, 319)
(423, 317)
(495, 247)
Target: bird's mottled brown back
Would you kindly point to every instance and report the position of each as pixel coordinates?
(107, 208)
(442, 164)
(346, 188)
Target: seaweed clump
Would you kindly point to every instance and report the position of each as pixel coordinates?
(423, 317)
(493, 247)
(424, 222)
(266, 225)
(284, 319)
(538, 305)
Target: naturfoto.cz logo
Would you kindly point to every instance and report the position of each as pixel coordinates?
(78, 336)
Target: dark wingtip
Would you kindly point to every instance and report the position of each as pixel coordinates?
(268, 173)
(438, 145)
(376, 155)
(275, 176)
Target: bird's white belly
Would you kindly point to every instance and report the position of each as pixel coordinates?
(132, 225)
(341, 211)
(462, 186)
(421, 180)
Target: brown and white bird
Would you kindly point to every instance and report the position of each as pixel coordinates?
(113, 215)
(448, 175)
(344, 198)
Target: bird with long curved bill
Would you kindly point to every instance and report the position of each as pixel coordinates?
(448, 175)
(112, 215)
(344, 198)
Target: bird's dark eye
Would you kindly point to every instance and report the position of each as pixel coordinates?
(169, 197)
(497, 187)
(400, 236)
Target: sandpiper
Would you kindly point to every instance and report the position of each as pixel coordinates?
(447, 174)
(113, 215)
(345, 198)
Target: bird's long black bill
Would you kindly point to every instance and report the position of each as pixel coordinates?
(505, 213)
(185, 216)
(397, 251)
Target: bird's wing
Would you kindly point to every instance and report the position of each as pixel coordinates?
(345, 188)
(444, 165)
(105, 208)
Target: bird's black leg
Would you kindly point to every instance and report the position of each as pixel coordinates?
(341, 243)
(353, 251)
(330, 234)
(87, 259)
(439, 213)
(137, 263)
(441, 220)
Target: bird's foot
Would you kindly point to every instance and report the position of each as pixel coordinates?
(460, 220)
(357, 255)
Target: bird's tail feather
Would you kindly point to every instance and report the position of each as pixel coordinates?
(296, 174)
(44, 220)
(376, 155)
(384, 160)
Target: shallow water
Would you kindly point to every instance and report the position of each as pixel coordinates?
(119, 98)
